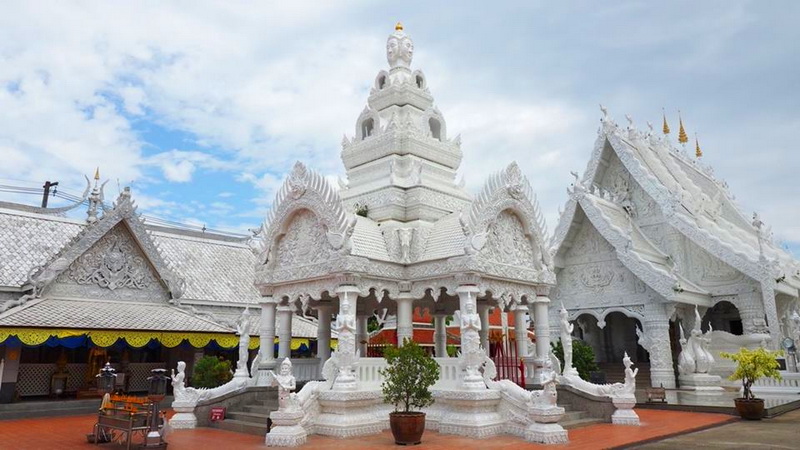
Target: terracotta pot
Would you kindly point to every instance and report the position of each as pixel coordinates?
(407, 427)
(750, 409)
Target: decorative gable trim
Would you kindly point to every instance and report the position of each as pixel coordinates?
(123, 211)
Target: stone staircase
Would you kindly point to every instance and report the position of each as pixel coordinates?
(575, 419)
(251, 417)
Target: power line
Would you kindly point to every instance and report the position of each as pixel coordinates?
(69, 196)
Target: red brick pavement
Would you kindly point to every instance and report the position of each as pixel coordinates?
(70, 433)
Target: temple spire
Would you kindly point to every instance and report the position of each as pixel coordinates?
(665, 127)
(697, 152)
(682, 138)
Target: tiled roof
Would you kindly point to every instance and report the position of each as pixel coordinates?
(446, 239)
(103, 314)
(213, 270)
(28, 241)
(368, 240)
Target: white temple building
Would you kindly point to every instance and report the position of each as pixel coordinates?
(649, 234)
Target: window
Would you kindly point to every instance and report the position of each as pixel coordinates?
(420, 82)
(366, 128)
(436, 128)
(381, 82)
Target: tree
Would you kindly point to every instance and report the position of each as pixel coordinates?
(582, 357)
(408, 377)
(754, 364)
(210, 372)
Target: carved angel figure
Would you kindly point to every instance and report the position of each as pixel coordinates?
(178, 383)
(548, 396)
(243, 330)
(566, 338)
(286, 383)
(630, 376)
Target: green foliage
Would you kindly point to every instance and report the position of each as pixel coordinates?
(754, 364)
(210, 372)
(361, 209)
(582, 357)
(408, 377)
(452, 350)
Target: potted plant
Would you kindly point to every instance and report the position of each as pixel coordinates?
(407, 380)
(753, 364)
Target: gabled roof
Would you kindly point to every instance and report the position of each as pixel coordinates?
(695, 203)
(123, 211)
(633, 248)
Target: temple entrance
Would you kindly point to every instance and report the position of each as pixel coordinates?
(723, 316)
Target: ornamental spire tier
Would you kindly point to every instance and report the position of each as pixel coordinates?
(401, 165)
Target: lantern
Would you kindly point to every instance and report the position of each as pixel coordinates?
(156, 392)
(157, 385)
(106, 379)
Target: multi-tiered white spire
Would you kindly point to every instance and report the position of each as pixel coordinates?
(400, 163)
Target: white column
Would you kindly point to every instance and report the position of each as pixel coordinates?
(520, 330)
(267, 333)
(483, 310)
(471, 354)
(362, 334)
(440, 335)
(405, 318)
(285, 331)
(542, 328)
(324, 333)
(656, 327)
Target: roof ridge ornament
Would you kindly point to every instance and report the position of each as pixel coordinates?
(665, 126)
(399, 48)
(697, 152)
(682, 138)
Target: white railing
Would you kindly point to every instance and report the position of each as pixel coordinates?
(449, 373)
(368, 372)
(306, 369)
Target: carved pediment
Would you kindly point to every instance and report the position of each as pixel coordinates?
(507, 242)
(114, 267)
(304, 243)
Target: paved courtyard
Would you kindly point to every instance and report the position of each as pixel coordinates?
(69, 433)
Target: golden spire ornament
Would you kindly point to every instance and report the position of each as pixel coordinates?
(97, 174)
(682, 138)
(697, 152)
(399, 26)
(665, 128)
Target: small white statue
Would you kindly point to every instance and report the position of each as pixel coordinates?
(566, 339)
(243, 330)
(286, 384)
(345, 321)
(547, 396)
(630, 376)
(178, 380)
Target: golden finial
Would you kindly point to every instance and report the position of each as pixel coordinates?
(665, 128)
(97, 174)
(682, 138)
(399, 26)
(697, 152)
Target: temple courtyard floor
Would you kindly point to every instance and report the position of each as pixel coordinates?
(681, 430)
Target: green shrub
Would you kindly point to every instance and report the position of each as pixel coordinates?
(408, 377)
(582, 357)
(210, 372)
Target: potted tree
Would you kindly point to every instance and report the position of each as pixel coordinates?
(753, 364)
(407, 380)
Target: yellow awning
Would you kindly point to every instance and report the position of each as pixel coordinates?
(107, 338)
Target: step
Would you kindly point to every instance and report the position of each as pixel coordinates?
(240, 426)
(573, 415)
(579, 423)
(247, 416)
(257, 409)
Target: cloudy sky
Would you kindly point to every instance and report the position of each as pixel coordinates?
(203, 107)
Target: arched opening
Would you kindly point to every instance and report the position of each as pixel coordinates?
(436, 128)
(724, 316)
(420, 82)
(381, 82)
(619, 337)
(367, 128)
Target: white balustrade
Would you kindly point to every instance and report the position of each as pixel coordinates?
(306, 369)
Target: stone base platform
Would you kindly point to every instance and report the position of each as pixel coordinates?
(350, 413)
(701, 384)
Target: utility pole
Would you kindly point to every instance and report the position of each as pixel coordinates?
(47, 186)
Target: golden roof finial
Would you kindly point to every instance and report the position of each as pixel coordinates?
(697, 152)
(97, 174)
(682, 138)
(665, 128)
(399, 26)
